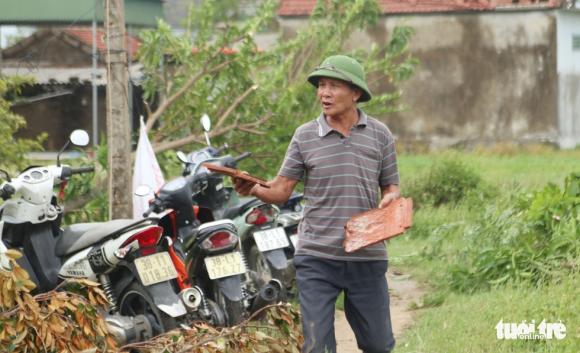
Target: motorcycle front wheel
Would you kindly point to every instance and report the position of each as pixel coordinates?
(135, 300)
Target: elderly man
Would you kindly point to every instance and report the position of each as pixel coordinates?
(344, 158)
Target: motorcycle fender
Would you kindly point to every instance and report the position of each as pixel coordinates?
(166, 299)
(276, 258)
(78, 266)
(231, 287)
(163, 294)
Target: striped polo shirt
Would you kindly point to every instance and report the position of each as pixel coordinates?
(342, 177)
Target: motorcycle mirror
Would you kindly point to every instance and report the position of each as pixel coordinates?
(79, 138)
(182, 157)
(206, 122)
(142, 190)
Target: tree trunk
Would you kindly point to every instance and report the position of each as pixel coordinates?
(118, 124)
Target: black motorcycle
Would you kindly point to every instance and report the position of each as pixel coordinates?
(210, 250)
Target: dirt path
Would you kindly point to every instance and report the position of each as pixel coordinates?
(403, 291)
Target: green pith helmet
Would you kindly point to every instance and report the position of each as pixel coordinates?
(343, 68)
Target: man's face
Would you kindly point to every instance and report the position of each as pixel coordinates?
(336, 96)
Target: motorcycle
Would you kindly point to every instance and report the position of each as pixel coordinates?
(265, 244)
(214, 264)
(128, 258)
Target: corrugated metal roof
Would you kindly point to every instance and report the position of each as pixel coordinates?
(67, 75)
(305, 7)
(140, 13)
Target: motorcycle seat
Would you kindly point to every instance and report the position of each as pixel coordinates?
(241, 207)
(81, 235)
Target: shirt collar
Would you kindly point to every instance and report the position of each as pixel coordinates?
(324, 129)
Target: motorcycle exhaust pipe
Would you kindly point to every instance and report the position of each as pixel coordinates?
(128, 329)
(268, 294)
(191, 298)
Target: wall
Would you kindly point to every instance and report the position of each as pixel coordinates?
(483, 78)
(569, 79)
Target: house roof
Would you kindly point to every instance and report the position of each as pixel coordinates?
(85, 36)
(305, 7)
(77, 36)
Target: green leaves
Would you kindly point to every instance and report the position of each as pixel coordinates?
(14, 149)
(531, 238)
(217, 35)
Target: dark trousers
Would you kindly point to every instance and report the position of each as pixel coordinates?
(366, 303)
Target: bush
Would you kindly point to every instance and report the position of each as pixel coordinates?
(530, 238)
(447, 182)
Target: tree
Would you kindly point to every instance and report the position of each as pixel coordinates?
(215, 67)
(13, 151)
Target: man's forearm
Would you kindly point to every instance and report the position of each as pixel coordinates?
(269, 195)
(279, 191)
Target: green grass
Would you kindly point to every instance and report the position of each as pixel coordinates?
(455, 322)
(526, 170)
(466, 323)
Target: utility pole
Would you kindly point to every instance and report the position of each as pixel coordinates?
(118, 133)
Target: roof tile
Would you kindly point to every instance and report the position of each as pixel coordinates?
(85, 35)
(305, 7)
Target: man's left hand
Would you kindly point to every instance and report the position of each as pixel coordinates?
(388, 198)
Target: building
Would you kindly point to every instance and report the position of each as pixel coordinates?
(60, 62)
(491, 70)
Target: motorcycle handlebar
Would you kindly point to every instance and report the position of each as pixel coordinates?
(220, 149)
(154, 206)
(7, 191)
(82, 170)
(242, 156)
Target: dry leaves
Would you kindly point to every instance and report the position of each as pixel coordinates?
(68, 321)
(56, 321)
(279, 331)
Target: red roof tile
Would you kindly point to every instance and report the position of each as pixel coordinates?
(85, 35)
(305, 7)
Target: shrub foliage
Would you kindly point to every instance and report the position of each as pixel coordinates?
(448, 181)
(530, 237)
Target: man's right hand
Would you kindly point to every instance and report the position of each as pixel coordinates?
(243, 187)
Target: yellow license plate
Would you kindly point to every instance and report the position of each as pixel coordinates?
(155, 268)
(226, 265)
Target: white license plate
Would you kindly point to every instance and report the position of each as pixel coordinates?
(294, 240)
(155, 268)
(271, 239)
(226, 265)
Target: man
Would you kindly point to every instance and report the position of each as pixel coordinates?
(344, 158)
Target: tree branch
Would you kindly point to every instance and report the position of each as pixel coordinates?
(250, 127)
(167, 102)
(235, 104)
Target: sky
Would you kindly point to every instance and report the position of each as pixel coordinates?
(7, 31)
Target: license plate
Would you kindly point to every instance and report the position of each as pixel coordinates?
(271, 239)
(226, 265)
(155, 268)
(294, 240)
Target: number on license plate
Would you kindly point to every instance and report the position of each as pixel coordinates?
(271, 239)
(226, 265)
(155, 268)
